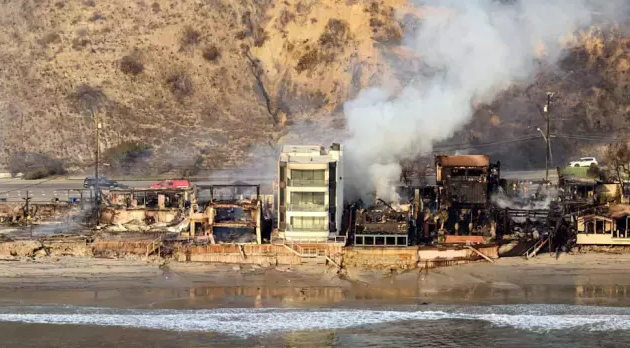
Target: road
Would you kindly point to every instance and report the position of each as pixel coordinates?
(14, 190)
(530, 175)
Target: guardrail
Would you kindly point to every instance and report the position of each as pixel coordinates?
(46, 196)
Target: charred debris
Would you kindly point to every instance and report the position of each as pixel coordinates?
(469, 202)
(457, 203)
(209, 214)
(464, 201)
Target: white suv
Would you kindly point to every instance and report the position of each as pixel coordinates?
(584, 162)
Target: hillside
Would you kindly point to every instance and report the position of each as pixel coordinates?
(591, 105)
(218, 78)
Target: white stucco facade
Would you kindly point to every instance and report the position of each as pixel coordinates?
(310, 192)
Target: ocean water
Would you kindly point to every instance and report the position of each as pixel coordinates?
(525, 325)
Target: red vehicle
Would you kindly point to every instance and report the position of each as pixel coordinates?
(171, 184)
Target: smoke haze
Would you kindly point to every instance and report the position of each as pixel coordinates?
(474, 49)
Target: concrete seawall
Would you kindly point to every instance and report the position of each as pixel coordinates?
(401, 258)
(414, 257)
(235, 253)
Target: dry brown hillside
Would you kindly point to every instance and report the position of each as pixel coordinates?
(591, 105)
(217, 77)
(207, 77)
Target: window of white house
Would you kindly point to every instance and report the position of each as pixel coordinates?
(308, 198)
(301, 174)
(308, 222)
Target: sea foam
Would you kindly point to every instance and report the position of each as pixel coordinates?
(249, 322)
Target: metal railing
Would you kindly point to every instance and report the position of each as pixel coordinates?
(380, 240)
(316, 228)
(307, 207)
(310, 240)
(531, 252)
(307, 182)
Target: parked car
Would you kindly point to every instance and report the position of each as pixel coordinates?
(584, 162)
(103, 182)
(171, 184)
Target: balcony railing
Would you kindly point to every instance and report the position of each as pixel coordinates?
(307, 207)
(308, 182)
(316, 228)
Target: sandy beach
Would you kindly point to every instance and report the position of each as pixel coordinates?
(601, 279)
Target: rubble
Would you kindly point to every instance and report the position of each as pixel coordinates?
(468, 204)
(215, 213)
(227, 216)
(382, 224)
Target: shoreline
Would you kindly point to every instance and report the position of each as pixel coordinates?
(590, 279)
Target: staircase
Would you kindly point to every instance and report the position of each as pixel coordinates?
(313, 256)
(533, 251)
(154, 246)
(521, 247)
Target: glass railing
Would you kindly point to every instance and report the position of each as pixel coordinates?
(308, 182)
(307, 207)
(318, 228)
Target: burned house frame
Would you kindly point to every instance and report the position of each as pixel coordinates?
(146, 206)
(465, 179)
(222, 213)
(382, 225)
(386, 225)
(464, 185)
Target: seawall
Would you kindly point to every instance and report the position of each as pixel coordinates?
(400, 258)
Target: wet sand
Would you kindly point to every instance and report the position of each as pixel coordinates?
(593, 279)
(149, 304)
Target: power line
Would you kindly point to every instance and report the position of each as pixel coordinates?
(472, 146)
(466, 146)
(585, 137)
(481, 144)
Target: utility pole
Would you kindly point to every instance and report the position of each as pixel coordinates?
(97, 127)
(546, 110)
(27, 209)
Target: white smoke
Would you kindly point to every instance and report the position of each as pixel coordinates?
(476, 49)
(546, 195)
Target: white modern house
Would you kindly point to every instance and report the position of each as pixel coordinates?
(310, 193)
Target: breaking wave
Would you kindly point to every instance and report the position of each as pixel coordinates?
(249, 322)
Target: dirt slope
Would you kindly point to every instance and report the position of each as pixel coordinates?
(591, 105)
(189, 77)
(217, 77)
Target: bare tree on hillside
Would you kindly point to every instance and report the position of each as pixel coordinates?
(618, 159)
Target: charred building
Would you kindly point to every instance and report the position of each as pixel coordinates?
(464, 184)
(385, 224)
(228, 214)
(466, 180)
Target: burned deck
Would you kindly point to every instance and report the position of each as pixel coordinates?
(383, 225)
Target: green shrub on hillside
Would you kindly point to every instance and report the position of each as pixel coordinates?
(125, 157)
(35, 166)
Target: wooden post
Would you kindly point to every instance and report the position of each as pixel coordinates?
(480, 253)
(161, 201)
(241, 249)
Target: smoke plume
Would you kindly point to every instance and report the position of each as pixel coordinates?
(472, 50)
(547, 195)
